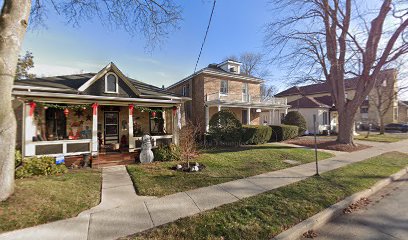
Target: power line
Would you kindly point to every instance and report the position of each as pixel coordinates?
(205, 37)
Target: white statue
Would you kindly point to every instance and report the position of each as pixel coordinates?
(146, 155)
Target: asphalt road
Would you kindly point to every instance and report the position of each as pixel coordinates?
(386, 217)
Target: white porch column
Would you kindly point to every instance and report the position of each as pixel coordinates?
(249, 116)
(95, 129)
(207, 118)
(176, 126)
(273, 117)
(130, 123)
(29, 130)
(270, 117)
(219, 108)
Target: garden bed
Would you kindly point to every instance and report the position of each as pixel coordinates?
(221, 165)
(43, 199)
(326, 144)
(268, 214)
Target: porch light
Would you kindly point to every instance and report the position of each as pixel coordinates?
(258, 110)
(66, 111)
(154, 114)
(84, 108)
(45, 107)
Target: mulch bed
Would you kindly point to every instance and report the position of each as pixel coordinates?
(327, 144)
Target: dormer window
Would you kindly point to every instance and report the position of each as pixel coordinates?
(111, 83)
(232, 69)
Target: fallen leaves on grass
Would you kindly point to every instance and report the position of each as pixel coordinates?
(327, 144)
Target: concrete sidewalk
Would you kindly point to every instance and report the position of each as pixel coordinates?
(122, 212)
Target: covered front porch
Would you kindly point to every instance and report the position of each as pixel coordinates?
(106, 131)
(249, 113)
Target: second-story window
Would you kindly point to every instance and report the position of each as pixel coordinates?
(111, 83)
(186, 90)
(224, 87)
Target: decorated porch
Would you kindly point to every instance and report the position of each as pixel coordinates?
(108, 133)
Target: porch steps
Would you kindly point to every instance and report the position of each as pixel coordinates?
(107, 160)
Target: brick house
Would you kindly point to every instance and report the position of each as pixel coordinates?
(315, 99)
(403, 111)
(102, 114)
(223, 86)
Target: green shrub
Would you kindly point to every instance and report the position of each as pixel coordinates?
(283, 132)
(167, 153)
(256, 134)
(18, 158)
(296, 119)
(36, 166)
(225, 127)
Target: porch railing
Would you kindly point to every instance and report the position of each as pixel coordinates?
(244, 98)
(58, 147)
(156, 141)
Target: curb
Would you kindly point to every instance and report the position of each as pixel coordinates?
(335, 210)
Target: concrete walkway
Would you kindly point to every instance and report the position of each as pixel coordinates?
(384, 218)
(122, 212)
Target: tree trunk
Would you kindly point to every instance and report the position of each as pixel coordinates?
(13, 24)
(346, 127)
(382, 127)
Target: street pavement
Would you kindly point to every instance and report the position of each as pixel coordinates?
(385, 217)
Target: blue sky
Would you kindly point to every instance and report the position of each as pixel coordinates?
(237, 27)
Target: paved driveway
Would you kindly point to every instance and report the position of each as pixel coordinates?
(386, 217)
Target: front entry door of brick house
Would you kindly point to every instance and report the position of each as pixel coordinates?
(111, 127)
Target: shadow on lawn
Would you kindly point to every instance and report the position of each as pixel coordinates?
(245, 148)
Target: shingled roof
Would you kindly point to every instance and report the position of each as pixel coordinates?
(350, 83)
(310, 102)
(74, 81)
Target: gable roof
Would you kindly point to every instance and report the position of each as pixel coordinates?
(110, 67)
(72, 83)
(350, 83)
(310, 102)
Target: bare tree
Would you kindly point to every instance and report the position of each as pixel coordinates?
(188, 141)
(152, 19)
(334, 39)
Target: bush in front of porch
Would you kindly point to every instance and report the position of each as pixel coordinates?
(256, 134)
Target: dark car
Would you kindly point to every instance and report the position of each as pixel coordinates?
(397, 127)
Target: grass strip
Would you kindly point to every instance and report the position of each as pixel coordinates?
(44, 199)
(270, 213)
(222, 165)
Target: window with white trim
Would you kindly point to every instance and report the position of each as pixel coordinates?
(111, 83)
(224, 87)
(325, 118)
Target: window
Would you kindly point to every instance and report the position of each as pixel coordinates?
(224, 87)
(395, 113)
(186, 90)
(325, 118)
(55, 124)
(245, 95)
(364, 110)
(157, 122)
(111, 83)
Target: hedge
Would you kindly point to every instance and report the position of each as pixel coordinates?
(295, 118)
(256, 134)
(283, 132)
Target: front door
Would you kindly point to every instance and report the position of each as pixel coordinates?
(111, 127)
(244, 116)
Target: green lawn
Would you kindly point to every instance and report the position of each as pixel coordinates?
(387, 137)
(268, 214)
(44, 199)
(222, 165)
